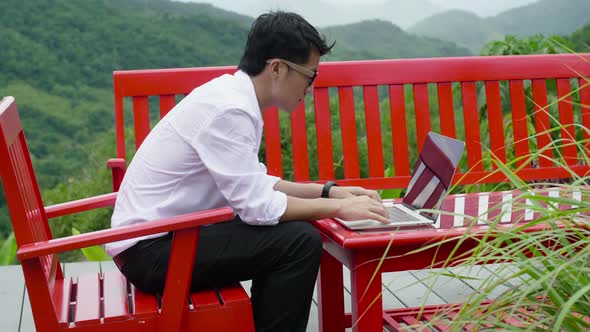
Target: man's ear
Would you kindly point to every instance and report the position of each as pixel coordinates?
(275, 68)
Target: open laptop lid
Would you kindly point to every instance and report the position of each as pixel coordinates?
(433, 172)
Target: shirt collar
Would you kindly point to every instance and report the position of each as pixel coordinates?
(245, 81)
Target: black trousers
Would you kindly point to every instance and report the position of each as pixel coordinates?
(281, 260)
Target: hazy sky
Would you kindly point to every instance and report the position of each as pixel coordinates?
(331, 12)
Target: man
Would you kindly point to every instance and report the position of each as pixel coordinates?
(204, 154)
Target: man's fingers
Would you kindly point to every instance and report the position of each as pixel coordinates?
(375, 195)
(380, 218)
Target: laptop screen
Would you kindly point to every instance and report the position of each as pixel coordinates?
(433, 172)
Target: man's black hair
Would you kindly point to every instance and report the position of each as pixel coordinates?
(280, 35)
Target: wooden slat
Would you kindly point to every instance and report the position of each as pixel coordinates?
(144, 305)
(178, 278)
(519, 122)
(416, 325)
(30, 199)
(87, 300)
(422, 110)
(349, 135)
(115, 297)
(61, 300)
(585, 101)
(205, 300)
(233, 293)
(542, 123)
(119, 124)
(373, 126)
(566, 119)
(152, 82)
(399, 131)
(354, 73)
(472, 132)
(324, 134)
(437, 323)
(167, 102)
(272, 140)
(141, 119)
(446, 110)
(299, 144)
(496, 120)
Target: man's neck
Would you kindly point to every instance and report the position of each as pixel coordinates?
(262, 90)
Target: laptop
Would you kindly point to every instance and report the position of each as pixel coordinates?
(430, 181)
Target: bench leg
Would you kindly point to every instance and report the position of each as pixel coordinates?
(367, 303)
(330, 290)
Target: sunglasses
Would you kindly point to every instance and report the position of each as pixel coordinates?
(310, 74)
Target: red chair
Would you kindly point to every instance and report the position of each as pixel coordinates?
(106, 302)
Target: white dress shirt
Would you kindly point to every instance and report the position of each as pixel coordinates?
(201, 155)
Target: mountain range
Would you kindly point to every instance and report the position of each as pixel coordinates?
(547, 17)
(327, 13)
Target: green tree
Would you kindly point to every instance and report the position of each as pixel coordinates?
(537, 44)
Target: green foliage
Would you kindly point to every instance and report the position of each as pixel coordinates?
(81, 42)
(390, 193)
(8, 251)
(581, 39)
(94, 253)
(537, 44)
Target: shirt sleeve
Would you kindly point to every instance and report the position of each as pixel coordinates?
(228, 147)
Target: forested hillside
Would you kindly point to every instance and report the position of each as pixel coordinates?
(57, 59)
(547, 17)
(378, 39)
(581, 39)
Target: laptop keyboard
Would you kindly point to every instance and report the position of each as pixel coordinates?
(397, 214)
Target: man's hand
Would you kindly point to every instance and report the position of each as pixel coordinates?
(347, 192)
(362, 207)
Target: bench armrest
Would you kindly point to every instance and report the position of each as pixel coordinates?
(185, 221)
(118, 167)
(80, 205)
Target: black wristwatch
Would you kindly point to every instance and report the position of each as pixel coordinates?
(326, 189)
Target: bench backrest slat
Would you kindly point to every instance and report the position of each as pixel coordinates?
(471, 122)
(481, 100)
(584, 84)
(542, 122)
(324, 134)
(272, 141)
(446, 109)
(373, 130)
(299, 144)
(167, 102)
(519, 122)
(350, 150)
(422, 112)
(141, 118)
(566, 119)
(495, 121)
(399, 136)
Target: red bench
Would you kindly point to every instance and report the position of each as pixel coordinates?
(509, 129)
(105, 302)
(481, 100)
